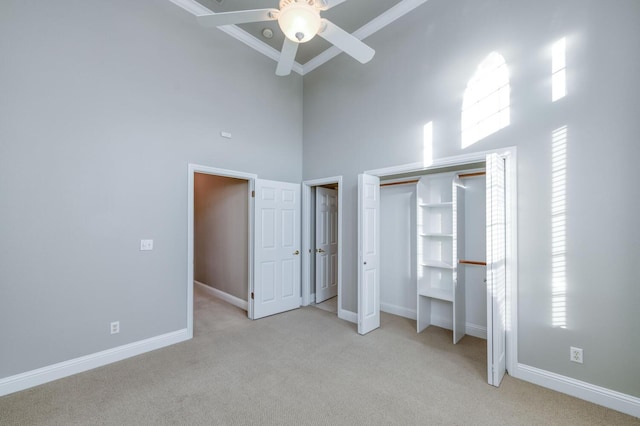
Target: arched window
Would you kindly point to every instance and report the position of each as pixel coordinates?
(485, 106)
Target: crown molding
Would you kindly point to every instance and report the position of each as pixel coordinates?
(192, 7)
(236, 32)
(375, 25)
(255, 43)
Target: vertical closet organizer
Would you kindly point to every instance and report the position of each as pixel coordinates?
(440, 283)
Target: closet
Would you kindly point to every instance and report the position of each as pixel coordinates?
(426, 226)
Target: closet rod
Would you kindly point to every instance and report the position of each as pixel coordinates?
(468, 175)
(399, 183)
(472, 262)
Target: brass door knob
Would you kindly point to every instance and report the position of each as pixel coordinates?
(297, 252)
(319, 250)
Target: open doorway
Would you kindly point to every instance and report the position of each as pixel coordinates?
(221, 237)
(322, 244)
(219, 229)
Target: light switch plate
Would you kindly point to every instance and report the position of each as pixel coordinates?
(146, 245)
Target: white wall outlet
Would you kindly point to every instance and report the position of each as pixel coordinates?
(575, 355)
(146, 245)
(115, 327)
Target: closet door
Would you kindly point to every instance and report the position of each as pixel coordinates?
(496, 269)
(368, 253)
(277, 248)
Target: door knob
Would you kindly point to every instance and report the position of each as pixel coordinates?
(319, 251)
(297, 252)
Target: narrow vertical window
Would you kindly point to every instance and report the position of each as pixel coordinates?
(559, 70)
(559, 227)
(485, 106)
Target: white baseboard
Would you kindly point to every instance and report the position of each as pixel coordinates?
(598, 395)
(235, 301)
(476, 330)
(401, 311)
(348, 315)
(57, 371)
(442, 322)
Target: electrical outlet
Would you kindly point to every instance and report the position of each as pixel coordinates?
(575, 355)
(115, 327)
(146, 245)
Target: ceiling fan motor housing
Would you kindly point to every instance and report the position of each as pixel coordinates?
(299, 20)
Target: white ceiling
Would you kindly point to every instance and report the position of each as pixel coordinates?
(359, 17)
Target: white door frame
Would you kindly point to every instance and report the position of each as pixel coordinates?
(308, 227)
(250, 177)
(509, 155)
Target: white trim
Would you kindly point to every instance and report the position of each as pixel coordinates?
(395, 170)
(511, 192)
(400, 311)
(476, 330)
(343, 314)
(598, 395)
(307, 227)
(442, 322)
(226, 297)
(193, 7)
(255, 43)
(375, 25)
(371, 27)
(236, 32)
(57, 371)
(458, 160)
(251, 177)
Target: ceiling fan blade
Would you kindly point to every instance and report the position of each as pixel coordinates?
(287, 56)
(328, 4)
(346, 42)
(238, 17)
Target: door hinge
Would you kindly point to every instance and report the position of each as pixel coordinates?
(251, 295)
(253, 194)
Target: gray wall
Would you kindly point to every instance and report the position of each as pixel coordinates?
(374, 114)
(221, 233)
(398, 254)
(102, 106)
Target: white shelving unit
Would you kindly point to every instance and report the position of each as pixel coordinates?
(441, 293)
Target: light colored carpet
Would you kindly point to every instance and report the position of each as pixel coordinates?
(304, 367)
(329, 305)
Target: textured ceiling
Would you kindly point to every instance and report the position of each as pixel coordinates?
(349, 15)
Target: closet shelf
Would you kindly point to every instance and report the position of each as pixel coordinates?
(437, 293)
(437, 264)
(437, 234)
(444, 204)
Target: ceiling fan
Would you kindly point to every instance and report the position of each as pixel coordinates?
(300, 21)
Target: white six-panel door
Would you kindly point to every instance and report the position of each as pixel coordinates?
(368, 253)
(326, 244)
(496, 269)
(277, 248)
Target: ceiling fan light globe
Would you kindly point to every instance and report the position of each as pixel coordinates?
(299, 22)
